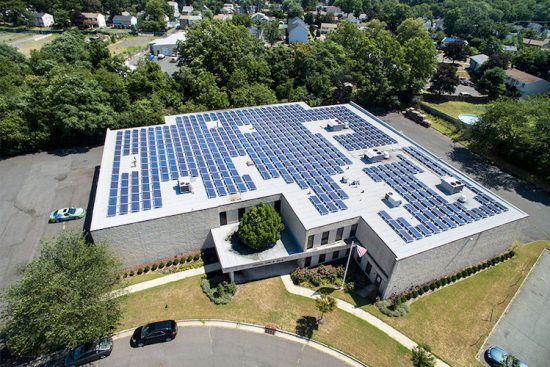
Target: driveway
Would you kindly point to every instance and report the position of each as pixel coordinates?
(518, 192)
(213, 346)
(33, 185)
(524, 328)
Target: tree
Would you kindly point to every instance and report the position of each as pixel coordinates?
(493, 82)
(154, 18)
(261, 226)
(510, 361)
(325, 304)
(60, 300)
(457, 50)
(444, 80)
(272, 33)
(253, 95)
(422, 356)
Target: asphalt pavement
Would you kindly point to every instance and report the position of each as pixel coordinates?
(33, 185)
(516, 191)
(524, 329)
(216, 346)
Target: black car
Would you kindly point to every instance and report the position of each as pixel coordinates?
(89, 352)
(160, 331)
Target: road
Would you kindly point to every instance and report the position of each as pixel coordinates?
(31, 186)
(523, 330)
(518, 192)
(212, 346)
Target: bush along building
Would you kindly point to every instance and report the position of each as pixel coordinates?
(337, 175)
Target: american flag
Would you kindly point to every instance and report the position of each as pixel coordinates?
(361, 251)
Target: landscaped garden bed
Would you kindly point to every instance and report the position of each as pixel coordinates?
(218, 288)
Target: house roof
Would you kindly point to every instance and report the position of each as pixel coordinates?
(123, 17)
(522, 76)
(296, 23)
(533, 42)
(480, 59)
(329, 25)
(91, 15)
(191, 17)
(170, 40)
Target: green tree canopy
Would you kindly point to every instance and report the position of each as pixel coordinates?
(261, 226)
(493, 82)
(422, 356)
(445, 79)
(457, 50)
(60, 300)
(325, 304)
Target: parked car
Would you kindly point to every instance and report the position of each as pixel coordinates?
(496, 356)
(161, 56)
(155, 332)
(66, 214)
(89, 352)
(464, 94)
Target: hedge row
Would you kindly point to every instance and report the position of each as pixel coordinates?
(319, 275)
(420, 290)
(184, 260)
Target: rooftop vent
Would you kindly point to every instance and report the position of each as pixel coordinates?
(451, 185)
(184, 184)
(393, 199)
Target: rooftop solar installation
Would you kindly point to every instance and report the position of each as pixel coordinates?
(290, 149)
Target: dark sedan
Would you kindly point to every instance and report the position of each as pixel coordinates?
(156, 332)
(89, 352)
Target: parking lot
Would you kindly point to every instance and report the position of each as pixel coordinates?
(524, 328)
(33, 185)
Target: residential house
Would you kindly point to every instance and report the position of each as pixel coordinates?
(94, 20)
(187, 20)
(327, 27)
(526, 84)
(228, 9)
(447, 40)
(477, 60)
(124, 21)
(175, 10)
(43, 20)
(535, 27)
(334, 10)
(259, 18)
(297, 31)
(167, 45)
(544, 44)
(507, 48)
(186, 10)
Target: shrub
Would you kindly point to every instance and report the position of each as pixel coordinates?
(438, 283)
(131, 273)
(512, 253)
(432, 286)
(349, 287)
(154, 267)
(408, 296)
(425, 288)
(260, 227)
(196, 257)
(146, 269)
(444, 281)
(182, 260)
(414, 293)
(169, 263)
(502, 258)
(464, 274)
(189, 258)
(161, 265)
(139, 271)
(453, 278)
(125, 275)
(218, 291)
(388, 309)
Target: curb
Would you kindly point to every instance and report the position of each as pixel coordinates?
(258, 329)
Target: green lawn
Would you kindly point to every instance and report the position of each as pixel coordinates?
(263, 302)
(455, 320)
(130, 45)
(25, 42)
(455, 108)
(141, 278)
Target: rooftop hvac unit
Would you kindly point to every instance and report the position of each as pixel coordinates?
(374, 155)
(393, 199)
(451, 185)
(462, 198)
(184, 184)
(335, 125)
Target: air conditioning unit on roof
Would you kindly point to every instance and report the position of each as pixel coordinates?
(451, 185)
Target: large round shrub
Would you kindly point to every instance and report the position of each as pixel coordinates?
(260, 227)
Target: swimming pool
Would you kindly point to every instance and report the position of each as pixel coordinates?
(468, 119)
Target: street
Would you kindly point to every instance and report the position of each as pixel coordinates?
(213, 346)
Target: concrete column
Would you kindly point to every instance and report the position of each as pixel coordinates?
(302, 262)
(232, 276)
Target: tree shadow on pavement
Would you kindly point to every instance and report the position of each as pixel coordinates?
(306, 325)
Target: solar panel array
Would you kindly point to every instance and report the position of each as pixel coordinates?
(434, 213)
(205, 144)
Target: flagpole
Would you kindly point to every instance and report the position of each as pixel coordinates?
(347, 264)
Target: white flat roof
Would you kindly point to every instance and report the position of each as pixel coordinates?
(223, 130)
(170, 40)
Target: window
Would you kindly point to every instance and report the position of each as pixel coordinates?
(334, 255)
(368, 268)
(322, 258)
(277, 206)
(308, 262)
(310, 242)
(223, 218)
(353, 230)
(324, 238)
(241, 213)
(339, 234)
